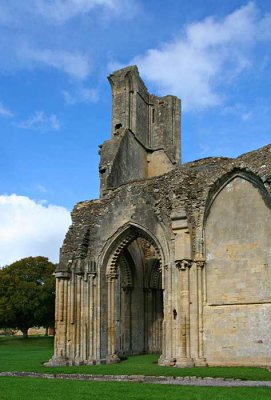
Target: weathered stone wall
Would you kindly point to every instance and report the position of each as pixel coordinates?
(130, 153)
(154, 120)
(186, 188)
(173, 209)
(237, 335)
(165, 126)
(238, 275)
(142, 125)
(207, 224)
(237, 239)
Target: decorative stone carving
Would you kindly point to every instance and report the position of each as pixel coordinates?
(200, 264)
(183, 265)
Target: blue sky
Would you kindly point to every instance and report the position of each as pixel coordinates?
(55, 101)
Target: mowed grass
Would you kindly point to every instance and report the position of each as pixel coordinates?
(42, 389)
(18, 354)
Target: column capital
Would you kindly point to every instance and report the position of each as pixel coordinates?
(183, 265)
(62, 275)
(200, 263)
(90, 266)
(89, 276)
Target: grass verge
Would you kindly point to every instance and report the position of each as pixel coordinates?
(18, 354)
(33, 388)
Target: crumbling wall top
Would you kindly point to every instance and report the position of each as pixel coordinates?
(154, 123)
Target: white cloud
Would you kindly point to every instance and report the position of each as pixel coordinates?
(29, 41)
(4, 112)
(42, 189)
(41, 122)
(61, 11)
(208, 53)
(81, 95)
(33, 35)
(238, 110)
(248, 113)
(28, 228)
(75, 64)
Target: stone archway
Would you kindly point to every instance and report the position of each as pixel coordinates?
(134, 296)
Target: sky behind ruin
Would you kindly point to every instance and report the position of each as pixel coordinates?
(55, 101)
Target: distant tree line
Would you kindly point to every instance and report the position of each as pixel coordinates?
(27, 294)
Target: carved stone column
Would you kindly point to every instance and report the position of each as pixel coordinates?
(166, 356)
(184, 357)
(126, 324)
(147, 319)
(85, 321)
(72, 316)
(90, 312)
(112, 356)
(201, 361)
(60, 353)
(160, 320)
(77, 359)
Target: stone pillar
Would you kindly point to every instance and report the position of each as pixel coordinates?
(112, 356)
(77, 359)
(146, 319)
(90, 313)
(154, 321)
(72, 316)
(159, 300)
(184, 355)
(84, 319)
(166, 357)
(60, 353)
(126, 323)
(157, 319)
(200, 361)
(150, 327)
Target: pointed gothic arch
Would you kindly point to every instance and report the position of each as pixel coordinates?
(132, 297)
(237, 238)
(225, 179)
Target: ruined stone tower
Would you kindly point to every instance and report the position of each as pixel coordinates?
(145, 138)
(172, 259)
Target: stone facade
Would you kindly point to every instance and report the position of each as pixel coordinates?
(173, 258)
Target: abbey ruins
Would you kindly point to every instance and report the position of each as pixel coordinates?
(173, 258)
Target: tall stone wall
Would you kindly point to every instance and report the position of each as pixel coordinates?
(237, 307)
(154, 120)
(172, 258)
(145, 138)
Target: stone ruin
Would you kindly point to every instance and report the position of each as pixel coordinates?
(173, 258)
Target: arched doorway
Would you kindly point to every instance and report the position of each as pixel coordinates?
(133, 297)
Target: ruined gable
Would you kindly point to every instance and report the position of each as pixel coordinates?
(145, 133)
(173, 258)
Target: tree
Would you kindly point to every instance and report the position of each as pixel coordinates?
(27, 294)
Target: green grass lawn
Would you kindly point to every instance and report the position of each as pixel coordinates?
(18, 354)
(42, 389)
